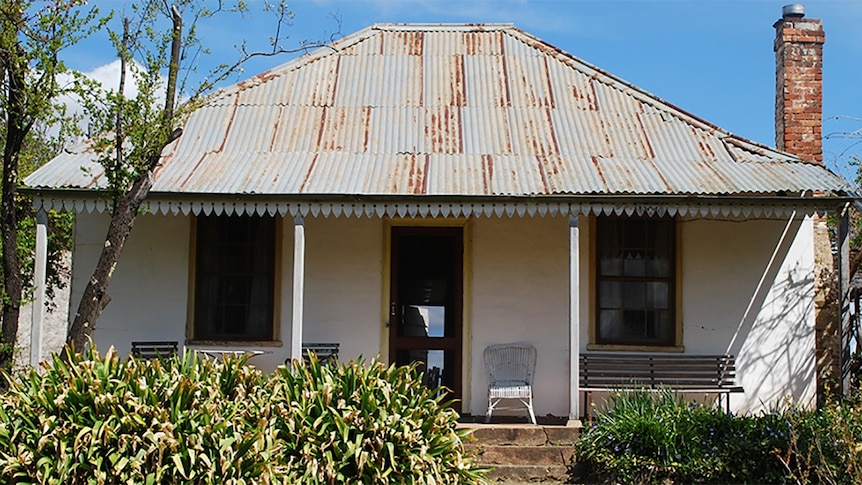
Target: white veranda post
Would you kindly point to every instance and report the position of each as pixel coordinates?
(574, 327)
(39, 279)
(298, 287)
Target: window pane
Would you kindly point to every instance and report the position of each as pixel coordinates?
(611, 324)
(610, 294)
(235, 278)
(634, 263)
(612, 265)
(634, 295)
(635, 281)
(657, 295)
(634, 324)
(658, 265)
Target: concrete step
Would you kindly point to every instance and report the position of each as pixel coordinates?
(494, 455)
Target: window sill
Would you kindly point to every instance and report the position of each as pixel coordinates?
(233, 343)
(678, 349)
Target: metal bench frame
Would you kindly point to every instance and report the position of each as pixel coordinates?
(325, 352)
(155, 350)
(706, 374)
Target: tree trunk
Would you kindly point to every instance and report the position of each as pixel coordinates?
(16, 130)
(95, 297)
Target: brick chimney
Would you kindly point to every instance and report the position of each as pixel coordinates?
(799, 84)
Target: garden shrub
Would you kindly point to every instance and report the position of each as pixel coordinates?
(368, 424)
(101, 419)
(826, 446)
(98, 419)
(646, 437)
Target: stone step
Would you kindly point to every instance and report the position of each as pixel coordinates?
(512, 474)
(493, 455)
(524, 435)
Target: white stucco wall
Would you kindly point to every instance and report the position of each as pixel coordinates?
(149, 288)
(748, 290)
(343, 290)
(520, 294)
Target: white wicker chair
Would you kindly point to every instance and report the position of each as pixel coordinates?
(510, 369)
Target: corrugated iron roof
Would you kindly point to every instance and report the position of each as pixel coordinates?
(459, 110)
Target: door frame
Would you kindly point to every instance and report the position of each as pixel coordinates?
(466, 357)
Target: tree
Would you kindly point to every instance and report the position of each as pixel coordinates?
(32, 35)
(133, 131)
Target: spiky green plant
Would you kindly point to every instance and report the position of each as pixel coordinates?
(104, 420)
(99, 419)
(369, 424)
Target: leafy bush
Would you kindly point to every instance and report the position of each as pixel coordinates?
(101, 420)
(105, 420)
(826, 446)
(657, 437)
(367, 423)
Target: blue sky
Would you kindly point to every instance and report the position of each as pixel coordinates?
(712, 58)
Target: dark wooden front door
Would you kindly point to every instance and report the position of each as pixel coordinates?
(425, 310)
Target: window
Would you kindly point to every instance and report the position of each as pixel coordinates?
(635, 281)
(235, 274)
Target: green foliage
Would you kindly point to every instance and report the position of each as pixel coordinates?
(197, 421)
(369, 424)
(826, 446)
(655, 437)
(101, 420)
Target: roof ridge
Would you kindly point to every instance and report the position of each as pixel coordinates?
(448, 26)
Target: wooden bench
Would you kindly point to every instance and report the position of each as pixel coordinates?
(154, 350)
(325, 352)
(707, 374)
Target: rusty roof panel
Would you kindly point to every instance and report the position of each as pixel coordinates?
(397, 130)
(527, 81)
(572, 90)
(252, 128)
(403, 43)
(452, 175)
(339, 173)
(486, 131)
(483, 43)
(385, 81)
(299, 130)
(450, 110)
(516, 174)
(580, 133)
(205, 131)
(345, 129)
(485, 80)
(532, 132)
(443, 129)
(444, 81)
(631, 176)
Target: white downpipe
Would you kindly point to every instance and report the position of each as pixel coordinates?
(298, 287)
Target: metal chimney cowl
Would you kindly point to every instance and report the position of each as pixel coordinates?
(793, 10)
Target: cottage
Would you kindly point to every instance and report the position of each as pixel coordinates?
(420, 192)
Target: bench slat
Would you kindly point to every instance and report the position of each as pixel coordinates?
(155, 350)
